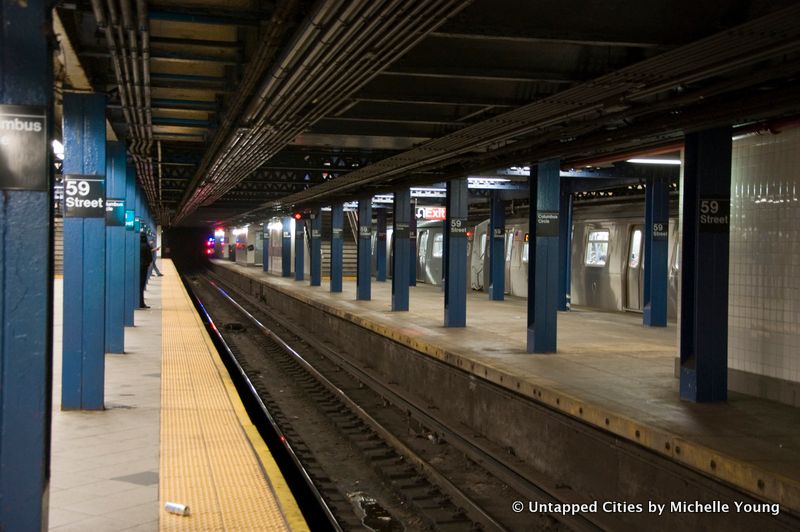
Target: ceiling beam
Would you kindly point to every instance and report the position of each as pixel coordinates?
(483, 74)
(575, 37)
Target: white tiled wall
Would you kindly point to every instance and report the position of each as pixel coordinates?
(764, 301)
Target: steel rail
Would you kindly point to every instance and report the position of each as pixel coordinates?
(268, 416)
(471, 507)
(485, 458)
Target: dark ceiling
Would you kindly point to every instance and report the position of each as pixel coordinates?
(237, 106)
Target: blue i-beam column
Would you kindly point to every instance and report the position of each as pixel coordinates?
(565, 246)
(400, 248)
(455, 263)
(116, 178)
(286, 248)
(337, 222)
(316, 247)
(497, 263)
(25, 265)
(704, 265)
(84, 252)
(412, 246)
(543, 257)
(299, 249)
(131, 247)
(380, 246)
(363, 273)
(656, 249)
(265, 247)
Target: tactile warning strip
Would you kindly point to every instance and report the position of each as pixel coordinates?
(211, 457)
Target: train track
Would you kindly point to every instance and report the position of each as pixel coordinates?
(372, 458)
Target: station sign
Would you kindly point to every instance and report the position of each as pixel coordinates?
(458, 227)
(129, 219)
(316, 233)
(660, 230)
(23, 148)
(287, 234)
(431, 213)
(84, 196)
(115, 212)
(499, 232)
(401, 230)
(547, 223)
(714, 215)
(336, 232)
(137, 224)
(364, 231)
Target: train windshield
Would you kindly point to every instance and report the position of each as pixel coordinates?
(597, 248)
(438, 245)
(634, 258)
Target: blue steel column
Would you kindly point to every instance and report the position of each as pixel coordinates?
(337, 222)
(565, 246)
(497, 264)
(455, 274)
(84, 260)
(656, 250)
(26, 282)
(116, 177)
(364, 266)
(412, 246)
(704, 265)
(265, 248)
(299, 249)
(131, 248)
(380, 246)
(543, 258)
(400, 248)
(286, 248)
(316, 247)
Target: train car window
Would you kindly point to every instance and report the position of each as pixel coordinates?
(676, 262)
(423, 246)
(525, 252)
(635, 255)
(597, 248)
(509, 245)
(438, 245)
(483, 245)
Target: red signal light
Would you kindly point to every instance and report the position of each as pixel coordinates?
(469, 234)
(298, 216)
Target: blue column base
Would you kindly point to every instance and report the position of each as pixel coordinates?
(716, 390)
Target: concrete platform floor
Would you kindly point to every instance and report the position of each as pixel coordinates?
(104, 465)
(610, 371)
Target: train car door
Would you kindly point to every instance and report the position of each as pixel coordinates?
(633, 270)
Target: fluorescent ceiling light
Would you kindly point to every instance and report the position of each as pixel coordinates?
(655, 161)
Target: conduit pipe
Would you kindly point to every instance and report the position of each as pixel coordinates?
(367, 35)
(132, 72)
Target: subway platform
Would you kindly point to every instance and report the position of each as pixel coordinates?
(173, 429)
(610, 373)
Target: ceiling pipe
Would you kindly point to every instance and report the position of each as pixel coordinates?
(131, 69)
(392, 30)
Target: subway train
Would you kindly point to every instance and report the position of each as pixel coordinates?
(606, 264)
(606, 259)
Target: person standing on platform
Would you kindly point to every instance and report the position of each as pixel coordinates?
(153, 265)
(145, 258)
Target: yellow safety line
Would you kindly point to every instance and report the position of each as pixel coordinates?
(212, 458)
(291, 510)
